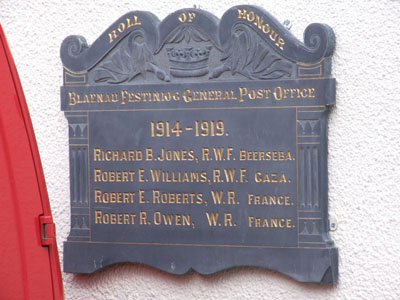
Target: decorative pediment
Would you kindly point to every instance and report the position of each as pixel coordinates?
(246, 43)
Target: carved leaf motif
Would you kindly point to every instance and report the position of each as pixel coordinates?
(177, 37)
(248, 55)
(130, 60)
(186, 33)
(268, 65)
(198, 37)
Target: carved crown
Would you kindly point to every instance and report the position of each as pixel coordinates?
(189, 61)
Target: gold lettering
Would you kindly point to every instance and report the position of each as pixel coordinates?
(114, 197)
(270, 177)
(266, 29)
(72, 98)
(228, 219)
(192, 15)
(258, 21)
(281, 200)
(143, 218)
(135, 22)
(242, 92)
(311, 92)
(121, 27)
(270, 222)
(251, 221)
(114, 218)
(183, 17)
(212, 218)
(241, 13)
(141, 197)
(187, 95)
(97, 217)
(113, 176)
(273, 35)
(171, 219)
(112, 35)
(141, 175)
(149, 154)
(96, 155)
(251, 16)
(278, 93)
(205, 153)
(280, 43)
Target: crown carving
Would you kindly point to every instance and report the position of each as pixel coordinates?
(189, 61)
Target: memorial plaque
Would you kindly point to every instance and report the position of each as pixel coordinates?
(200, 144)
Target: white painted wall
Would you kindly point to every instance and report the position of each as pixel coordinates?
(364, 144)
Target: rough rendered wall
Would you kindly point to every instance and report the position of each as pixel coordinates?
(364, 144)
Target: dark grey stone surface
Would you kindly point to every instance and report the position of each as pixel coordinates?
(166, 116)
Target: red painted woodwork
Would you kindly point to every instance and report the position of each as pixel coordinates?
(29, 264)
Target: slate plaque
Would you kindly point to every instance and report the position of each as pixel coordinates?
(200, 144)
